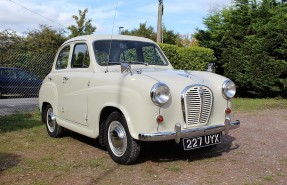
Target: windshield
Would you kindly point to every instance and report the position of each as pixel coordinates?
(134, 52)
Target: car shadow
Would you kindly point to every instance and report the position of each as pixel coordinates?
(84, 139)
(7, 161)
(170, 151)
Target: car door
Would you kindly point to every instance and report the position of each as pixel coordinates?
(56, 78)
(76, 84)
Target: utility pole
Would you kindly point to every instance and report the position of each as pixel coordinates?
(159, 22)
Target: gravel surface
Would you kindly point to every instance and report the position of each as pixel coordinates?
(16, 105)
(256, 153)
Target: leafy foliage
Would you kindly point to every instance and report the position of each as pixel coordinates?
(169, 36)
(34, 52)
(188, 58)
(44, 39)
(83, 26)
(142, 31)
(250, 42)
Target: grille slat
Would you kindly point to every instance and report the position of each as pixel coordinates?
(198, 101)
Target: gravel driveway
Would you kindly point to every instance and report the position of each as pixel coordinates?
(16, 105)
(254, 154)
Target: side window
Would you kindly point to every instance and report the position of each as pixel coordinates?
(10, 74)
(25, 75)
(129, 55)
(63, 58)
(81, 58)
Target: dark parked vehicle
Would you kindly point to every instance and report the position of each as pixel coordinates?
(18, 82)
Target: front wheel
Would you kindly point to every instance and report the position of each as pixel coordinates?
(53, 129)
(122, 148)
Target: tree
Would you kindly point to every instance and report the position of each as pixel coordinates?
(142, 31)
(250, 43)
(169, 37)
(83, 26)
(44, 39)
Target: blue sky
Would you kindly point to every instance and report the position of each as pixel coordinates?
(182, 16)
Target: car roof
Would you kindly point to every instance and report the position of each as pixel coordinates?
(92, 38)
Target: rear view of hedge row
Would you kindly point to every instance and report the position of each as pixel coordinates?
(188, 58)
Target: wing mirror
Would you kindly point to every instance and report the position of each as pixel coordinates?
(126, 67)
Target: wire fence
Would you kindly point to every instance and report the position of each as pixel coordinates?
(21, 76)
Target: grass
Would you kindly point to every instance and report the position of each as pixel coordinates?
(174, 168)
(27, 152)
(26, 148)
(269, 178)
(246, 104)
(19, 122)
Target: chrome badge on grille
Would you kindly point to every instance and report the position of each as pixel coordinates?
(200, 92)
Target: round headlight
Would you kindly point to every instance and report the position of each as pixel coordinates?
(228, 89)
(160, 94)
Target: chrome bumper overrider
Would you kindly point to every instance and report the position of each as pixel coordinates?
(189, 133)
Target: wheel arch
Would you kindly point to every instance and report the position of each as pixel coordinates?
(107, 110)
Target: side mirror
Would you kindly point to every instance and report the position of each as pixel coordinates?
(126, 67)
(210, 68)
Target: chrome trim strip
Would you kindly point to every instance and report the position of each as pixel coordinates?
(188, 133)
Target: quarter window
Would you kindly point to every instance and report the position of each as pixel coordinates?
(63, 58)
(81, 58)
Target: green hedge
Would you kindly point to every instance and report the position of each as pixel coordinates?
(188, 58)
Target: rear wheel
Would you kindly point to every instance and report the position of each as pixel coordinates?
(53, 129)
(121, 146)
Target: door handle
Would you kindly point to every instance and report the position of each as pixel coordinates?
(65, 78)
(50, 78)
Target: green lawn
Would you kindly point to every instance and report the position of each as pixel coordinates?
(27, 152)
(246, 104)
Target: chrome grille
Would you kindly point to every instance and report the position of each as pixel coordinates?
(197, 104)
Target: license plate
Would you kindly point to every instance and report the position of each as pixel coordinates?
(202, 141)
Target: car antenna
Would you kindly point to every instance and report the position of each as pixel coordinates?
(107, 70)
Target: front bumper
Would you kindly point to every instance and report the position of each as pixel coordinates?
(190, 133)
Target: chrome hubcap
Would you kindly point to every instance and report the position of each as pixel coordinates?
(51, 121)
(117, 138)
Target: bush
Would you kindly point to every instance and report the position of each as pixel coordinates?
(188, 58)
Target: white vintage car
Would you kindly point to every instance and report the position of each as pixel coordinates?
(124, 91)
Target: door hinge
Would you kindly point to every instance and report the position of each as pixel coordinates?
(88, 83)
